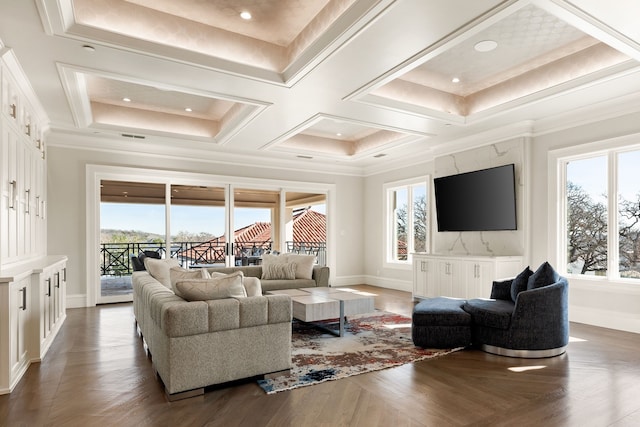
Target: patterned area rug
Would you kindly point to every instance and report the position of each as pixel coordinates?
(371, 342)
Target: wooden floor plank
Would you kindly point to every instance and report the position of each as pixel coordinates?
(97, 373)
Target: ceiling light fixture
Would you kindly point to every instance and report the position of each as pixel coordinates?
(455, 80)
(338, 134)
(245, 15)
(126, 99)
(485, 46)
(188, 110)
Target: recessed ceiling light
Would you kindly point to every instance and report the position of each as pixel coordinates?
(455, 80)
(126, 99)
(188, 110)
(485, 46)
(245, 15)
(338, 134)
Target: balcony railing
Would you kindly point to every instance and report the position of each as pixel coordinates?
(115, 258)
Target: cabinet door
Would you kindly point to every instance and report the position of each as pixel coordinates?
(10, 190)
(46, 291)
(445, 272)
(419, 277)
(4, 190)
(18, 309)
(24, 176)
(479, 276)
(63, 291)
(56, 303)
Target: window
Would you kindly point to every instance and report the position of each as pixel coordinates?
(595, 222)
(406, 219)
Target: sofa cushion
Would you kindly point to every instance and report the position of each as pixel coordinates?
(519, 283)
(489, 312)
(178, 274)
(159, 269)
(284, 271)
(543, 276)
(229, 286)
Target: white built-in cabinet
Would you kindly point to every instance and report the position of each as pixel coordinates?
(32, 284)
(32, 310)
(23, 174)
(460, 276)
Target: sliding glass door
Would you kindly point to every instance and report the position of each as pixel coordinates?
(132, 220)
(306, 225)
(198, 226)
(196, 220)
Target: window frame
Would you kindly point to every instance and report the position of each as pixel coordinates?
(389, 219)
(558, 160)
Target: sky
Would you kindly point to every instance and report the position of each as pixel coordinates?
(192, 219)
(591, 175)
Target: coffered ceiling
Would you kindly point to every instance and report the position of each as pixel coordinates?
(351, 84)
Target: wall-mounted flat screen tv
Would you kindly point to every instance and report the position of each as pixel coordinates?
(482, 200)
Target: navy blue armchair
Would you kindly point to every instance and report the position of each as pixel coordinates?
(533, 324)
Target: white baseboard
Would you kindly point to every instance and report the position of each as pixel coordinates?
(77, 301)
(629, 322)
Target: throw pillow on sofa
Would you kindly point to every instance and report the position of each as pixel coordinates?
(285, 271)
(304, 265)
(178, 274)
(229, 286)
(159, 269)
(252, 285)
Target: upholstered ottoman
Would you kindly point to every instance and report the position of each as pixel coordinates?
(441, 323)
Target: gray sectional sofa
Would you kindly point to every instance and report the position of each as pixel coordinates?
(194, 344)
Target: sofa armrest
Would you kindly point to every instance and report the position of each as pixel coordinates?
(280, 310)
(544, 312)
(321, 275)
(501, 289)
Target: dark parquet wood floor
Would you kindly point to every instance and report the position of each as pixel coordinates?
(97, 374)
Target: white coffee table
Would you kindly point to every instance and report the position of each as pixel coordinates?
(321, 303)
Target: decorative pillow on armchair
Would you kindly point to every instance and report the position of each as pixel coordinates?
(229, 286)
(519, 283)
(543, 276)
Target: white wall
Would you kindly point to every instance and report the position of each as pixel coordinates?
(359, 216)
(67, 205)
(374, 263)
(604, 304)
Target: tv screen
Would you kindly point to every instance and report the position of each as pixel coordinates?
(482, 200)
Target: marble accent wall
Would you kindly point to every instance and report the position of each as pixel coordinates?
(487, 243)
